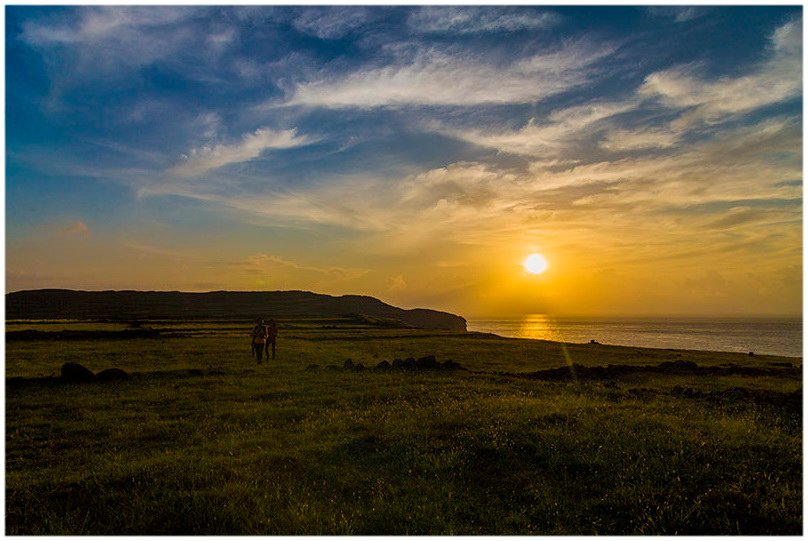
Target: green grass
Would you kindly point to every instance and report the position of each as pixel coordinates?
(276, 449)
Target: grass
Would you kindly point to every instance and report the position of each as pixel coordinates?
(277, 449)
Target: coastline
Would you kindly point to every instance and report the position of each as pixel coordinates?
(780, 336)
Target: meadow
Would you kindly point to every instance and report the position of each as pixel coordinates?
(203, 441)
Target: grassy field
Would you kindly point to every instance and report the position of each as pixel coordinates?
(202, 440)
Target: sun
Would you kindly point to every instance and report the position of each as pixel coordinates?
(535, 264)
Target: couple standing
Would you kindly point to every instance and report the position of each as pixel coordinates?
(263, 334)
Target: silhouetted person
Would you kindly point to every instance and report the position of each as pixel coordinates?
(263, 335)
(272, 335)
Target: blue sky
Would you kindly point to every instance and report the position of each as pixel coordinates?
(418, 154)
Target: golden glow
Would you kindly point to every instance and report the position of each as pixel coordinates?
(535, 264)
(539, 326)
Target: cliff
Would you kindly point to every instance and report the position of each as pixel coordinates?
(69, 304)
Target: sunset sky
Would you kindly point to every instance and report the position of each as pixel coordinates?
(652, 155)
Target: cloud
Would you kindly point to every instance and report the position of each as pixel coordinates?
(679, 88)
(639, 139)
(209, 124)
(739, 165)
(201, 160)
(562, 128)
(775, 80)
(468, 19)
(396, 283)
(744, 216)
(439, 78)
(105, 37)
(693, 188)
(333, 22)
(95, 24)
(680, 14)
(271, 263)
(76, 228)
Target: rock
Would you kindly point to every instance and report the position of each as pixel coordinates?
(784, 365)
(332, 367)
(312, 367)
(348, 364)
(75, 372)
(113, 374)
(427, 362)
(398, 363)
(384, 365)
(679, 365)
(449, 364)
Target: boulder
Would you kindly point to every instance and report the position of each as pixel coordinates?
(449, 364)
(427, 362)
(113, 374)
(384, 365)
(75, 372)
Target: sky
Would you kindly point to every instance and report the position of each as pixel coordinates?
(652, 155)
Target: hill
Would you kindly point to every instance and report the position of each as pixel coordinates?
(69, 304)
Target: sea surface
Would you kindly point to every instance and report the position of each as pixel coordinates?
(773, 336)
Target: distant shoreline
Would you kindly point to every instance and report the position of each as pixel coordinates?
(780, 336)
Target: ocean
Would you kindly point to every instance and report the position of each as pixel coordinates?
(773, 336)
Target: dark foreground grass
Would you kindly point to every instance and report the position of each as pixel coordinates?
(276, 449)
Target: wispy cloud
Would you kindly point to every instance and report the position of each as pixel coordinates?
(438, 78)
(112, 36)
(477, 203)
(473, 202)
(201, 160)
(331, 22)
(680, 14)
(546, 138)
(95, 24)
(269, 263)
(468, 20)
(696, 101)
(773, 81)
(618, 140)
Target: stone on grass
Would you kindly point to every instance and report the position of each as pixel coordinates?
(113, 374)
(427, 362)
(75, 372)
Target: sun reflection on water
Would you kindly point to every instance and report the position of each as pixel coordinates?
(540, 327)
